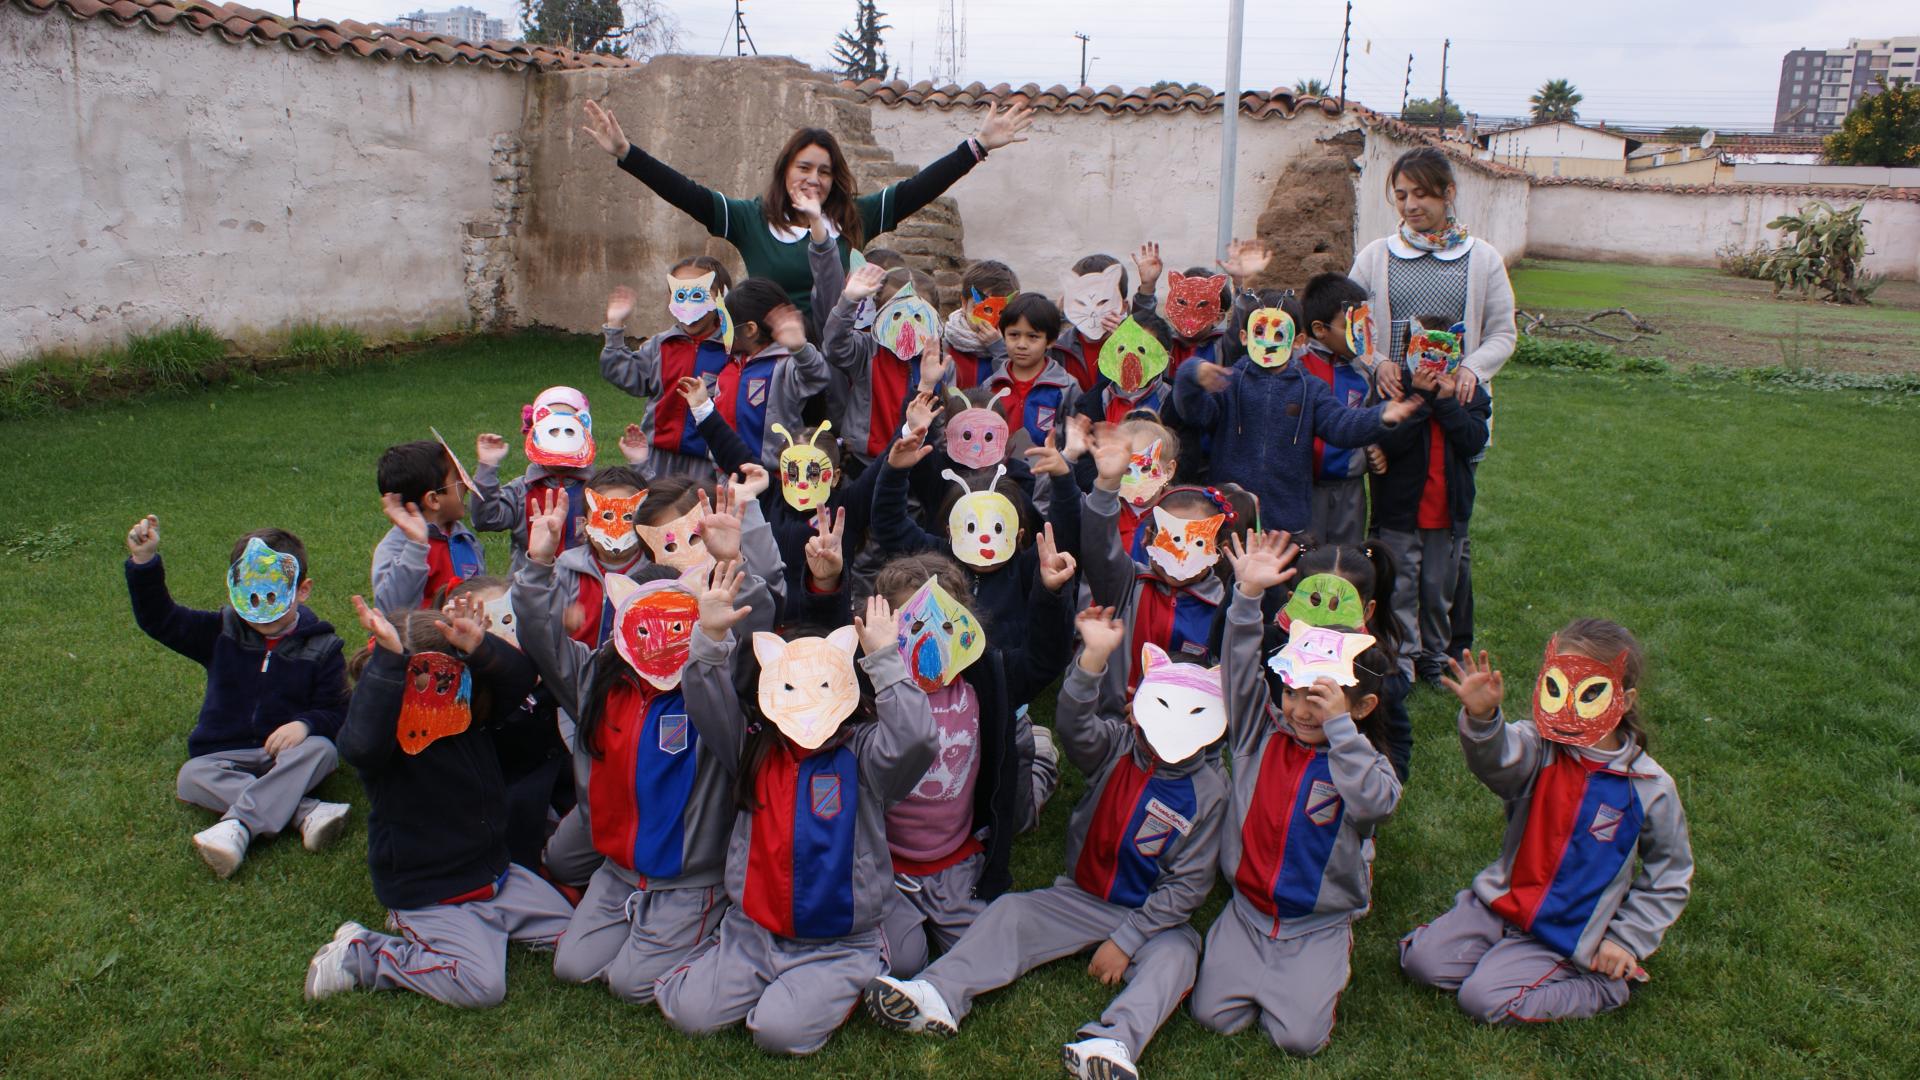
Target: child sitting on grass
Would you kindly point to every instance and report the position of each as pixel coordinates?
(429, 550)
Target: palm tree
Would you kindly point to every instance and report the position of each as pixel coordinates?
(1556, 101)
(1310, 88)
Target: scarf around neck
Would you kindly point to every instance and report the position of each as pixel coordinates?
(1446, 239)
(961, 333)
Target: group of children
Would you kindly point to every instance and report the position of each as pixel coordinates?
(746, 733)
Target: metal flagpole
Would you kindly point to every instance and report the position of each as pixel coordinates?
(1230, 123)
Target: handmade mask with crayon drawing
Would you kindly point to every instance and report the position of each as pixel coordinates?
(466, 481)
(806, 472)
(908, 326)
(1577, 699)
(690, 299)
(807, 687)
(1184, 548)
(262, 584)
(1360, 329)
(984, 526)
(1193, 303)
(1132, 358)
(1326, 600)
(977, 436)
(1146, 476)
(939, 637)
(676, 543)
(1435, 351)
(1178, 707)
(653, 626)
(501, 620)
(1087, 299)
(610, 520)
(437, 701)
(1270, 334)
(559, 429)
(985, 310)
(1316, 652)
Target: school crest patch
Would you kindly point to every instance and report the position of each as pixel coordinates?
(1159, 825)
(1355, 397)
(1043, 417)
(1323, 803)
(1606, 823)
(757, 392)
(824, 796)
(673, 733)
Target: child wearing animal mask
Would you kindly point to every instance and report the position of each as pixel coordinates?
(429, 549)
(1334, 321)
(972, 333)
(1310, 786)
(699, 345)
(1562, 921)
(1196, 307)
(420, 731)
(1142, 847)
(821, 754)
(558, 430)
(883, 365)
(276, 692)
(1092, 303)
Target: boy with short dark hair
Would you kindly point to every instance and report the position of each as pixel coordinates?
(1040, 392)
(276, 692)
(429, 550)
(1339, 474)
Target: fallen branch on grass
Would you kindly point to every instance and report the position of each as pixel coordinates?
(1542, 322)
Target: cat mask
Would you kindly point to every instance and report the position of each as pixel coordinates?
(1193, 303)
(1087, 299)
(1184, 548)
(977, 436)
(1578, 700)
(653, 626)
(691, 299)
(1179, 708)
(1146, 476)
(808, 687)
(610, 520)
(1315, 652)
(676, 543)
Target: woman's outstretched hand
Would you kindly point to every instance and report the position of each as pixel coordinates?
(1005, 124)
(605, 130)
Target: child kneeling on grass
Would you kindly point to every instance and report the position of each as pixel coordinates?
(420, 730)
(1557, 927)
(276, 692)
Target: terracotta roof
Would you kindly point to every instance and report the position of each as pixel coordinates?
(1770, 144)
(1194, 98)
(1806, 191)
(237, 24)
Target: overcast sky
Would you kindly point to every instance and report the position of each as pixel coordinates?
(1636, 61)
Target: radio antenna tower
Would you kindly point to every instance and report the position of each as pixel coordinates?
(950, 42)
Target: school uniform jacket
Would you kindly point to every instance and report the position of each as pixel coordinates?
(1070, 351)
(1298, 846)
(1180, 620)
(812, 863)
(407, 575)
(1409, 445)
(1147, 834)
(751, 394)
(1575, 820)
(250, 690)
(1049, 400)
(1351, 388)
(504, 508)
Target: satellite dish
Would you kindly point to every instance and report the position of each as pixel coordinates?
(1706, 141)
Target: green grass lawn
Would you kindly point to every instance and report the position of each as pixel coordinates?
(1708, 317)
(1746, 536)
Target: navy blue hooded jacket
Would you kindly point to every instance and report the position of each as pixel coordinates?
(1464, 431)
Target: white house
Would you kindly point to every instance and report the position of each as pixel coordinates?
(1559, 148)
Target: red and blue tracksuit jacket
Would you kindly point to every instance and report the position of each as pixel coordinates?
(1351, 388)
(1179, 620)
(1576, 819)
(508, 507)
(409, 575)
(1048, 402)
(742, 390)
(1146, 835)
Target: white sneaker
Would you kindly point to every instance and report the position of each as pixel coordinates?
(1098, 1059)
(327, 972)
(324, 825)
(910, 1005)
(224, 846)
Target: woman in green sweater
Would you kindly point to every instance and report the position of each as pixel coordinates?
(810, 180)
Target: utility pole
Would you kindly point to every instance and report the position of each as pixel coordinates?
(1406, 87)
(1444, 48)
(1083, 55)
(1230, 123)
(1346, 33)
(742, 40)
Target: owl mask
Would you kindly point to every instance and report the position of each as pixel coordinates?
(806, 472)
(1146, 476)
(1360, 329)
(559, 429)
(610, 520)
(437, 701)
(1435, 351)
(1087, 299)
(1193, 303)
(1326, 600)
(807, 687)
(653, 626)
(1184, 548)
(1315, 652)
(908, 326)
(262, 584)
(984, 525)
(1270, 337)
(677, 543)
(1179, 708)
(939, 637)
(1578, 699)
(977, 437)
(1132, 358)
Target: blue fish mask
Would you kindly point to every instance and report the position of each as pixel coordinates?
(262, 582)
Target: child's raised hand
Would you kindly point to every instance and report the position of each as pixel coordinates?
(1245, 258)
(491, 449)
(1261, 561)
(605, 130)
(1147, 261)
(693, 390)
(788, 328)
(753, 482)
(465, 622)
(1112, 452)
(879, 631)
(1478, 685)
(377, 626)
(864, 282)
(1212, 377)
(143, 540)
(718, 616)
(546, 526)
(826, 558)
(935, 363)
(1078, 436)
(1100, 634)
(619, 305)
(922, 409)
(406, 516)
(1056, 567)
(907, 451)
(720, 523)
(1044, 460)
(633, 445)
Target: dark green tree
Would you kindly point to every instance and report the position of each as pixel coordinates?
(1883, 129)
(1556, 100)
(636, 28)
(1309, 88)
(1423, 111)
(859, 51)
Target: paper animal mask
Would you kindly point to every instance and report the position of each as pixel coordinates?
(1314, 652)
(610, 520)
(938, 636)
(466, 481)
(977, 437)
(1578, 699)
(437, 701)
(501, 620)
(985, 310)
(1183, 548)
(806, 472)
(690, 299)
(984, 525)
(1179, 707)
(559, 428)
(807, 687)
(908, 326)
(1436, 351)
(677, 543)
(1326, 600)
(262, 583)
(1131, 357)
(1146, 476)
(1270, 333)
(726, 328)
(1086, 299)
(1360, 329)
(653, 626)
(1193, 303)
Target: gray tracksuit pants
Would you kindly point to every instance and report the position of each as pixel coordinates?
(793, 995)
(1021, 931)
(1290, 985)
(456, 954)
(1339, 510)
(570, 855)
(262, 792)
(930, 910)
(1429, 569)
(628, 937)
(1503, 974)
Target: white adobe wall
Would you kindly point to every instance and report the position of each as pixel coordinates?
(1493, 208)
(152, 177)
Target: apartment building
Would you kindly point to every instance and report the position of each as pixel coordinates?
(1818, 87)
(464, 23)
